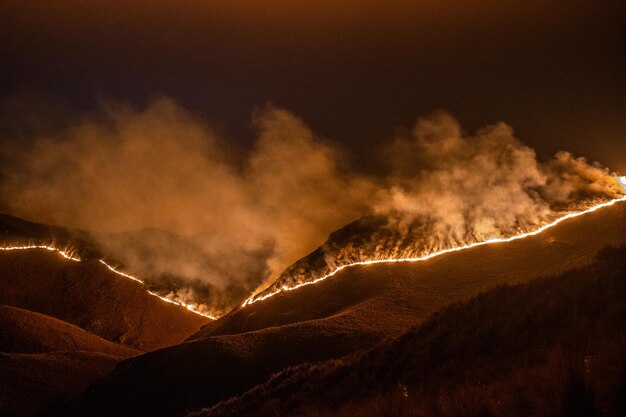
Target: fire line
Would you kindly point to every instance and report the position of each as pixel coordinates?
(67, 254)
(253, 299)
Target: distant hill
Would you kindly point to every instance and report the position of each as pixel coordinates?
(90, 296)
(555, 346)
(355, 309)
(16, 230)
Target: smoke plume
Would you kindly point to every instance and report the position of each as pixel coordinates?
(161, 194)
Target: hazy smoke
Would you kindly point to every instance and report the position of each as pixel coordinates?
(163, 196)
(164, 170)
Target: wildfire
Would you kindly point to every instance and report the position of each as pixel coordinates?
(167, 300)
(260, 297)
(68, 254)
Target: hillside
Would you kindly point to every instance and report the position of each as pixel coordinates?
(554, 346)
(355, 309)
(90, 296)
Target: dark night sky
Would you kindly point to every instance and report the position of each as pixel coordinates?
(355, 70)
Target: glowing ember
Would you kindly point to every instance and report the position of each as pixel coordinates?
(253, 299)
(67, 254)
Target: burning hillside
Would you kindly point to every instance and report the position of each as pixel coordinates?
(443, 189)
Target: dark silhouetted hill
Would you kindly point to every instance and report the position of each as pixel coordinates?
(16, 230)
(33, 382)
(44, 360)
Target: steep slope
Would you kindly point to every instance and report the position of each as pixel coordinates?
(90, 296)
(354, 309)
(503, 347)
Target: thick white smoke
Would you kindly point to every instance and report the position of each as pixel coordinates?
(486, 184)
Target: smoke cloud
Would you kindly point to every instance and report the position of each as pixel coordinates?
(161, 194)
(159, 191)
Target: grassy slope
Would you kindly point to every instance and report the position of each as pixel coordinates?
(354, 310)
(554, 346)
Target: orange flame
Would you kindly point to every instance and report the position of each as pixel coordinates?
(68, 254)
(167, 300)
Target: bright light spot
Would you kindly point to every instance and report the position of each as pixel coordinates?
(622, 182)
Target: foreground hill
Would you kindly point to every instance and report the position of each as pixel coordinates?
(92, 297)
(44, 360)
(555, 346)
(31, 383)
(355, 309)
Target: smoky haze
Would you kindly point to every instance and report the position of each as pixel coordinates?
(161, 193)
